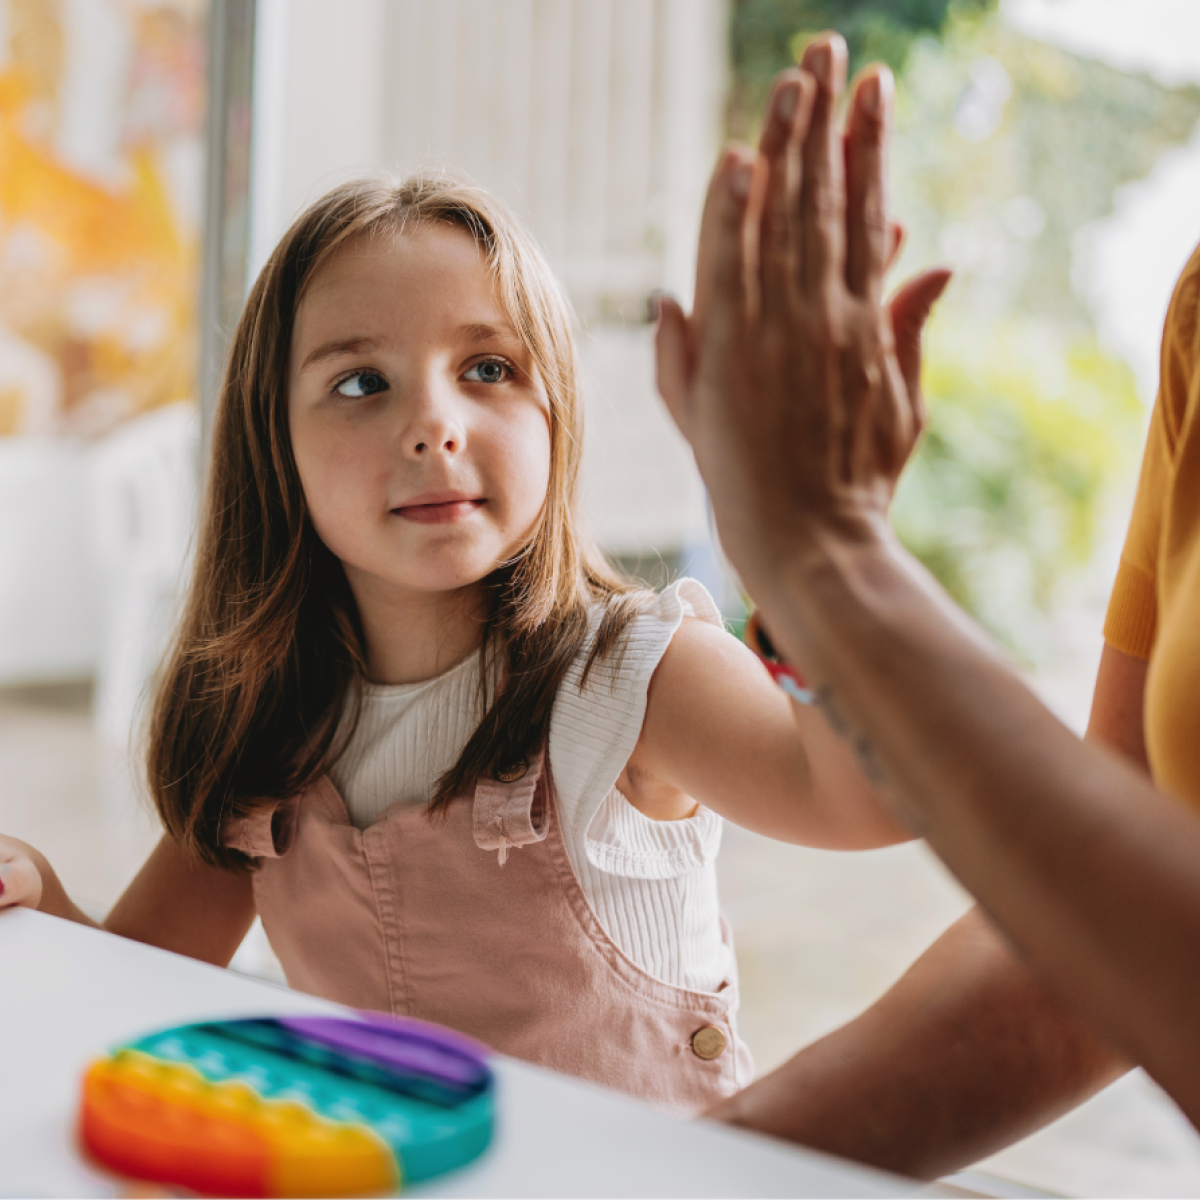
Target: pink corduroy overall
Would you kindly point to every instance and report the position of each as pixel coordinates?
(479, 922)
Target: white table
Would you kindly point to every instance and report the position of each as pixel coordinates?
(67, 993)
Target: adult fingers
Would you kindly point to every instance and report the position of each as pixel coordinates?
(20, 882)
(896, 234)
(909, 309)
(868, 233)
(710, 224)
(721, 272)
(779, 222)
(672, 360)
(822, 194)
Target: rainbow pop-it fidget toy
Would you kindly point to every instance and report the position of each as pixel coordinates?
(307, 1106)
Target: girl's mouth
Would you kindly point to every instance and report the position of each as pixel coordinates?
(441, 509)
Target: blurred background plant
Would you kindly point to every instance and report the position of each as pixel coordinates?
(768, 35)
(1006, 148)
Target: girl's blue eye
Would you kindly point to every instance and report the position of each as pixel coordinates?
(361, 383)
(488, 372)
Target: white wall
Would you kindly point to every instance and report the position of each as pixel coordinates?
(48, 585)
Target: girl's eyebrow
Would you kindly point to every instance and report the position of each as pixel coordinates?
(476, 331)
(481, 332)
(352, 345)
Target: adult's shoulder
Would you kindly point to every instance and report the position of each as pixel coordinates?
(1181, 349)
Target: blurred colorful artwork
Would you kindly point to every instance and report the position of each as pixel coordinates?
(101, 119)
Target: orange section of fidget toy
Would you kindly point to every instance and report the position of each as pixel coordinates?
(166, 1122)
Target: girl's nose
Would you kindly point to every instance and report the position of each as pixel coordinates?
(434, 426)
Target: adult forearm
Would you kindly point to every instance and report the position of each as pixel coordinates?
(1088, 869)
(966, 1053)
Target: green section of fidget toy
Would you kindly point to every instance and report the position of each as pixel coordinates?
(427, 1139)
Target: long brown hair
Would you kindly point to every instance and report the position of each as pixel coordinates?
(261, 691)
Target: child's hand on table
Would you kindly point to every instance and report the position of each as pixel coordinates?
(20, 879)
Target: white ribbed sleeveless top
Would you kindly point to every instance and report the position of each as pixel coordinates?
(652, 884)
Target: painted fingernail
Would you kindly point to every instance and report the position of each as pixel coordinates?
(3, 872)
(739, 184)
(788, 101)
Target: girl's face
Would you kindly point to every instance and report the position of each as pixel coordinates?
(419, 425)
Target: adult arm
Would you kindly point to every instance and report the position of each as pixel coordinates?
(1118, 706)
(716, 728)
(801, 420)
(967, 1052)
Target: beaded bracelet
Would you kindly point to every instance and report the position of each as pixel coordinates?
(786, 676)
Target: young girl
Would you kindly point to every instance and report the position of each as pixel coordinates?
(413, 720)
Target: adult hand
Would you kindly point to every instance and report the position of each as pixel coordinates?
(20, 879)
(797, 387)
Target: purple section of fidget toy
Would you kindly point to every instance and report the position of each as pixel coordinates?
(425, 1050)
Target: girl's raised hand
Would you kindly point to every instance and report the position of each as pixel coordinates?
(798, 388)
(20, 880)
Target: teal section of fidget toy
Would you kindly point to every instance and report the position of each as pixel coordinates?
(426, 1137)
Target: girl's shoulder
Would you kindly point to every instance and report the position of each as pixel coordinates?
(626, 665)
(684, 598)
(601, 704)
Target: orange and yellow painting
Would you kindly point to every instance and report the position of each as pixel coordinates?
(101, 114)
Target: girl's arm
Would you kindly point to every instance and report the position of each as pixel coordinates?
(191, 908)
(173, 902)
(719, 730)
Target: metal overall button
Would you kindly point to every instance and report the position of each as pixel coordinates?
(708, 1043)
(513, 772)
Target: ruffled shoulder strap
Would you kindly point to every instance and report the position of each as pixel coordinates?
(266, 832)
(594, 727)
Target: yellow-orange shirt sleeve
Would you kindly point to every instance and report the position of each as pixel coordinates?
(1133, 607)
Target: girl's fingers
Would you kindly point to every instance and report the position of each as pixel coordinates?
(822, 194)
(868, 233)
(672, 360)
(21, 883)
(778, 250)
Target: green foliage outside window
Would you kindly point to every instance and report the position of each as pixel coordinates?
(766, 36)
(1004, 498)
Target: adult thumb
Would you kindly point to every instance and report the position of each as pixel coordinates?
(909, 309)
(672, 359)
